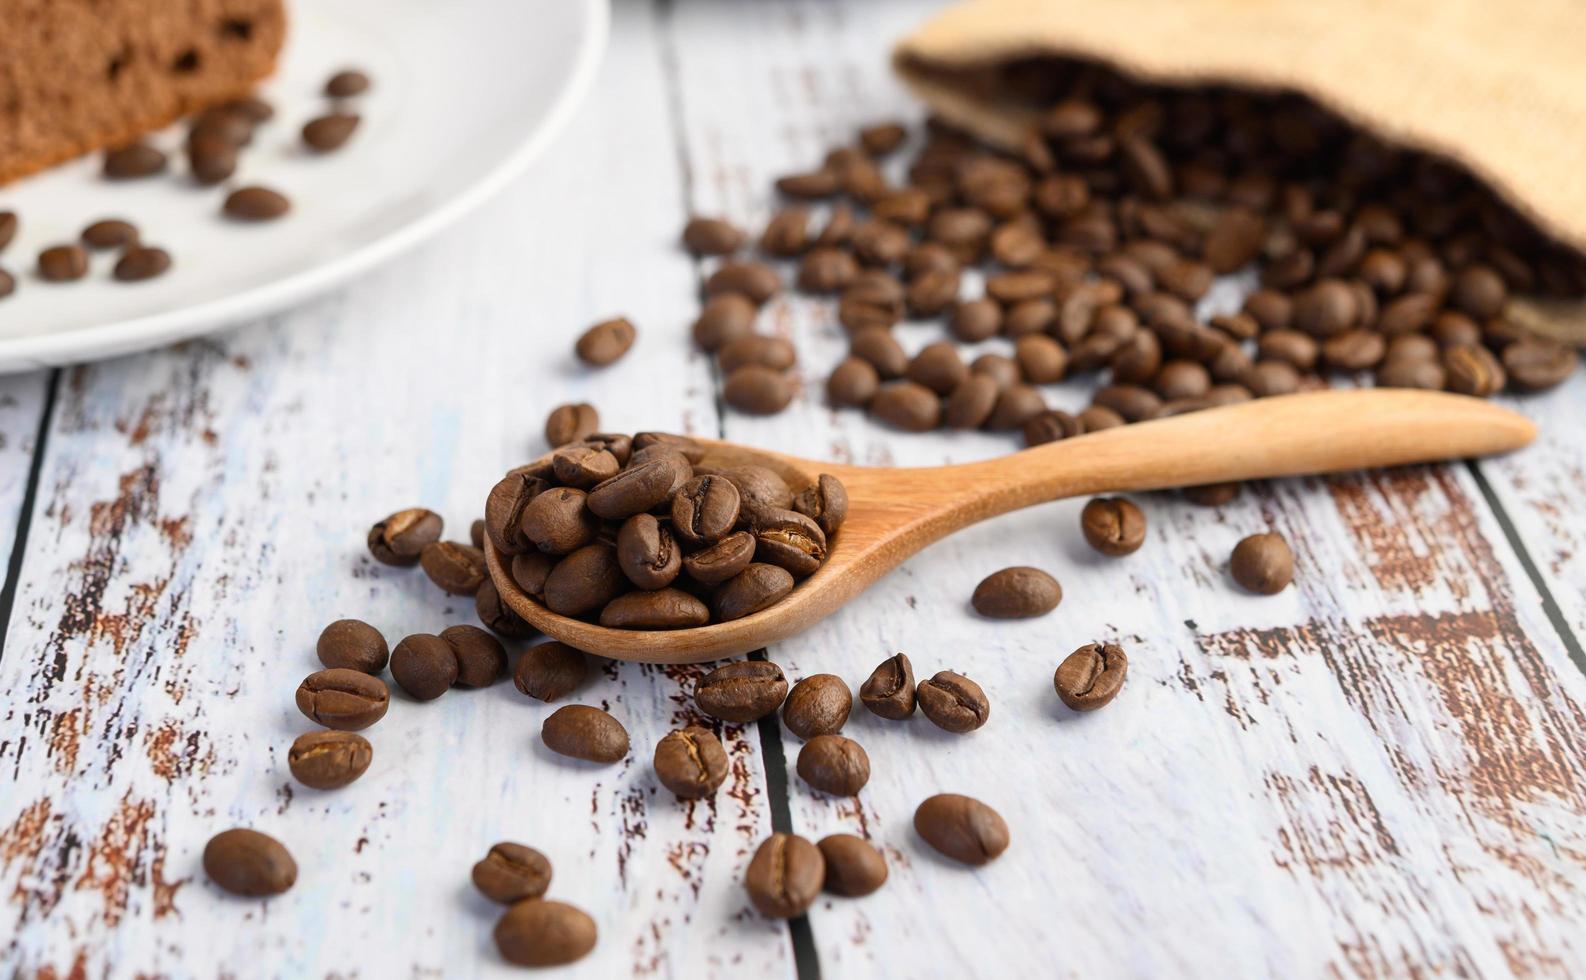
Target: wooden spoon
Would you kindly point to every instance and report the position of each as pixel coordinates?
(893, 513)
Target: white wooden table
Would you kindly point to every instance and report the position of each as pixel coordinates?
(1381, 771)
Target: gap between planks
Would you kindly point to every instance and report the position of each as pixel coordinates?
(24, 512)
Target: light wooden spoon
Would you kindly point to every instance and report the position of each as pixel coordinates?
(893, 513)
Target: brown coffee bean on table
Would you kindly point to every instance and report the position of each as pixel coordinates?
(570, 423)
(249, 863)
(346, 700)
(353, 645)
(724, 319)
(109, 233)
(605, 342)
(1019, 592)
(907, 405)
(550, 671)
(971, 403)
(834, 764)
(211, 159)
(458, 569)
(1091, 676)
(712, 236)
(889, 690)
(961, 828)
(424, 666)
(141, 262)
(63, 263)
(256, 204)
(330, 132)
(691, 762)
(132, 161)
(785, 876)
(1472, 370)
(346, 83)
(582, 732)
(1051, 426)
(8, 228)
(953, 702)
(8, 283)
(481, 659)
(775, 353)
(757, 390)
(512, 872)
(329, 760)
(755, 281)
(542, 932)
(1212, 494)
(1113, 526)
(741, 692)
(401, 538)
(1536, 364)
(817, 705)
(1263, 563)
(854, 868)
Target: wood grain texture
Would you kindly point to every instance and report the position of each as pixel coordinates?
(21, 405)
(1378, 772)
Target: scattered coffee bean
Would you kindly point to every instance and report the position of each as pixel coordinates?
(540, 932)
(785, 876)
(63, 263)
(8, 284)
(330, 132)
(249, 863)
(1263, 563)
(481, 660)
(712, 236)
(1019, 592)
(132, 161)
(1536, 364)
(459, 569)
(605, 342)
(1472, 370)
(953, 702)
(757, 390)
(512, 873)
(550, 671)
(834, 764)
(8, 228)
(754, 281)
(907, 405)
(817, 705)
(352, 644)
(571, 423)
(329, 760)
(1212, 494)
(741, 692)
(424, 666)
(141, 262)
(962, 828)
(854, 868)
(889, 690)
(401, 538)
(211, 159)
(256, 204)
(346, 700)
(691, 762)
(1113, 526)
(110, 233)
(587, 733)
(1091, 676)
(347, 83)
(725, 319)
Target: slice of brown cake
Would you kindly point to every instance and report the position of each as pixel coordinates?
(82, 75)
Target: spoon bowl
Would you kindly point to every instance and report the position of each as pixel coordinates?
(895, 512)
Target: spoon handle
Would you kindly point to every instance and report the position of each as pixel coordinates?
(1292, 435)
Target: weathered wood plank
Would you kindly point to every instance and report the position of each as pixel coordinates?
(22, 398)
(1381, 771)
(201, 516)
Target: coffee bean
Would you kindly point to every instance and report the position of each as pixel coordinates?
(1016, 405)
(530, 570)
(1263, 563)
(889, 690)
(511, 873)
(582, 732)
(741, 692)
(971, 403)
(346, 700)
(771, 352)
(424, 666)
(8, 284)
(504, 510)
(550, 671)
(724, 319)
(249, 863)
(1003, 370)
(1289, 346)
(1091, 676)
(759, 586)
(817, 705)
(352, 644)
(8, 228)
(932, 293)
(328, 760)
(1234, 241)
(1479, 291)
(785, 876)
(63, 263)
(584, 581)
(874, 299)
(459, 569)
(962, 828)
(132, 161)
(704, 510)
(1098, 417)
(1041, 359)
(1051, 426)
(141, 262)
(582, 466)
(639, 488)
(330, 132)
(1536, 364)
(661, 609)
(754, 281)
(1353, 350)
(211, 159)
(647, 553)
(347, 83)
(496, 614)
(571, 423)
(481, 660)
(976, 320)
(402, 537)
(852, 384)
(1113, 526)
(721, 561)
(110, 233)
(953, 702)
(1181, 379)
(880, 243)
(540, 932)
(757, 390)
(826, 269)
(882, 138)
(854, 868)
(1019, 592)
(1327, 308)
(1032, 316)
(256, 204)
(1472, 370)
(881, 350)
(691, 763)
(825, 502)
(759, 488)
(787, 233)
(712, 236)
(1212, 494)
(834, 764)
(790, 540)
(559, 521)
(907, 405)
(1269, 378)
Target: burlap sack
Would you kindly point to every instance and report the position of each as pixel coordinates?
(1498, 86)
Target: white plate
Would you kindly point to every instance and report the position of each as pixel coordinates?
(466, 92)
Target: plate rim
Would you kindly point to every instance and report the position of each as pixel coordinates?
(123, 337)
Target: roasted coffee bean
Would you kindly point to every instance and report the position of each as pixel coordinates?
(759, 488)
(1051, 426)
(938, 367)
(962, 828)
(880, 243)
(1327, 308)
(559, 521)
(504, 509)
(587, 733)
(661, 609)
(754, 281)
(346, 700)
(691, 762)
(1134, 361)
(889, 690)
(63, 263)
(1212, 494)
(963, 230)
(976, 320)
(530, 570)
(424, 666)
(481, 660)
(496, 614)
(757, 390)
(457, 568)
(825, 502)
(1263, 563)
(511, 873)
(1182, 379)
(221, 124)
(1479, 291)
(134, 160)
(826, 269)
(550, 671)
(931, 293)
(402, 537)
(741, 692)
(971, 403)
(247, 862)
(817, 705)
(347, 83)
(787, 233)
(775, 353)
(1536, 364)
(953, 702)
(1113, 526)
(605, 342)
(839, 229)
(929, 257)
(704, 510)
(1032, 316)
(1412, 373)
(1011, 288)
(1353, 350)
(328, 760)
(854, 868)
(1131, 401)
(211, 159)
(834, 764)
(584, 581)
(785, 876)
(8, 284)
(874, 300)
(641, 487)
(790, 540)
(1268, 378)
(813, 185)
(882, 138)
(1003, 370)
(141, 262)
(757, 587)
(1091, 676)
(721, 561)
(256, 204)
(1234, 241)
(1019, 592)
(583, 466)
(109, 233)
(330, 132)
(1289, 346)
(1016, 405)
(352, 644)
(1099, 417)
(907, 405)
(540, 932)
(712, 236)
(881, 350)
(571, 423)
(724, 319)
(852, 384)
(8, 228)
(1472, 370)
(1041, 359)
